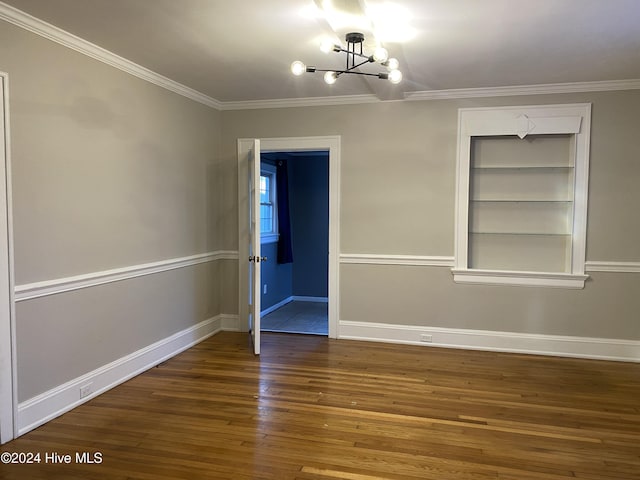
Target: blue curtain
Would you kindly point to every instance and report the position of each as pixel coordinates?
(285, 248)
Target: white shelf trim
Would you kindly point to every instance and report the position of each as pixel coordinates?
(67, 284)
(523, 279)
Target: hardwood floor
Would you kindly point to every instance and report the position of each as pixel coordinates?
(311, 408)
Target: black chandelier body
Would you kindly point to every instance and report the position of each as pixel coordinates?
(355, 59)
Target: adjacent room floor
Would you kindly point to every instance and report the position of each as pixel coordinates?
(298, 317)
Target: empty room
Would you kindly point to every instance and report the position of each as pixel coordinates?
(320, 239)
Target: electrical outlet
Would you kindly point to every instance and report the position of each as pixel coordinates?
(426, 338)
(264, 289)
(86, 390)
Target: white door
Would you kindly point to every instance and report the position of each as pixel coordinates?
(254, 245)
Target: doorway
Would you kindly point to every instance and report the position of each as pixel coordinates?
(295, 239)
(331, 144)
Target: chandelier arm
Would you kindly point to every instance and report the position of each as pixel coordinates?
(359, 73)
(340, 49)
(340, 72)
(358, 65)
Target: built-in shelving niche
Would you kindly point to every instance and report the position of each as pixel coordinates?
(521, 203)
(522, 182)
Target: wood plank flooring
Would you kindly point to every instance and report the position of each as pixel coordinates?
(312, 408)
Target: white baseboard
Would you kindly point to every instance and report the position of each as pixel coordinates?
(276, 306)
(230, 323)
(299, 298)
(564, 346)
(48, 405)
(292, 298)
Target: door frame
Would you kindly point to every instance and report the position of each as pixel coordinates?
(8, 367)
(331, 144)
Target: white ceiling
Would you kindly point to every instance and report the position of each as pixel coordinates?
(239, 50)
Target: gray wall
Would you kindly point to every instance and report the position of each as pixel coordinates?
(108, 171)
(398, 195)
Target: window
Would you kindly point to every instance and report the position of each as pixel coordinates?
(268, 205)
(522, 195)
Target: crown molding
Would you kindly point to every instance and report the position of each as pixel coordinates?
(543, 89)
(450, 94)
(39, 27)
(301, 102)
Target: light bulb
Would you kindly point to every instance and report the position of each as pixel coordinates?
(327, 45)
(330, 78)
(380, 54)
(298, 68)
(392, 64)
(395, 76)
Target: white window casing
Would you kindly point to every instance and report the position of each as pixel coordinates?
(273, 234)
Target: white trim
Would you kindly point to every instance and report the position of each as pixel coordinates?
(305, 298)
(53, 403)
(55, 34)
(293, 298)
(615, 267)
(332, 145)
(8, 360)
(449, 261)
(522, 279)
(268, 170)
(230, 322)
(416, 260)
(301, 102)
(77, 282)
(448, 94)
(557, 345)
(515, 90)
(276, 306)
(266, 238)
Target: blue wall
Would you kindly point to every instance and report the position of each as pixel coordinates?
(309, 214)
(309, 190)
(278, 277)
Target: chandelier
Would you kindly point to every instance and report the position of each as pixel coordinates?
(355, 59)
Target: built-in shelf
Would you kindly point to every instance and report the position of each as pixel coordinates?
(522, 195)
